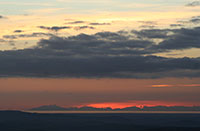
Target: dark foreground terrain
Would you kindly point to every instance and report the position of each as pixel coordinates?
(20, 121)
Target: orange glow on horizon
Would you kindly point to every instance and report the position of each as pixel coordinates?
(177, 85)
(20, 93)
(162, 86)
(139, 104)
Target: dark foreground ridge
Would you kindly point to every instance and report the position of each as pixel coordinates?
(21, 121)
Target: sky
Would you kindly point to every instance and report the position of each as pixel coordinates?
(108, 53)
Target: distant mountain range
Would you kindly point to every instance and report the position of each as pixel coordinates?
(145, 108)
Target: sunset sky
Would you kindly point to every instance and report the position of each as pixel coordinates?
(108, 53)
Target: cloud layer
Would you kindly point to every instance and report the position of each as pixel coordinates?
(106, 54)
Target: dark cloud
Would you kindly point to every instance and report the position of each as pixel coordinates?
(104, 54)
(104, 43)
(152, 33)
(147, 26)
(9, 37)
(148, 22)
(176, 25)
(100, 24)
(83, 27)
(193, 4)
(195, 20)
(2, 40)
(112, 36)
(52, 64)
(55, 28)
(8, 42)
(36, 34)
(18, 31)
(76, 22)
(172, 39)
(2, 17)
(181, 39)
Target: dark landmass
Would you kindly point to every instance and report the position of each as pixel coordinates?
(58, 108)
(86, 108)
(21, 121)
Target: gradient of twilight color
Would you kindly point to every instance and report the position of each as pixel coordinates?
(22, 17)
(21, 93)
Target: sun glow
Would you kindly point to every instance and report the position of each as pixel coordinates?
(139, 104)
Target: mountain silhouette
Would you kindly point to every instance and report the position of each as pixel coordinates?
(49, 108)
(134, 108)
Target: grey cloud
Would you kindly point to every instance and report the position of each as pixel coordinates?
(152, 33)
(172, 39)
(76, 22)
(100, 24)
(9, 37)
(54, 28)
(36, 34)
(176, 25)
(104, 54)
(2, 17)
(27, 63)
(148, 22)
(83, 27)
(111, 36)
(147, 26)
(104, 43)
(9, 42)
(18, 31)
(193, 4)
(182, 39)
(2, 40)
(195, 20)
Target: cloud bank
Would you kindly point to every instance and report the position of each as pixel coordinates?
(106, 55)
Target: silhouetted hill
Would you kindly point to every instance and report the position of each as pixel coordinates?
(131, 109)
(58, 108)
(86, 108)
(21, 121)
(49, 108)
(171, 108)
